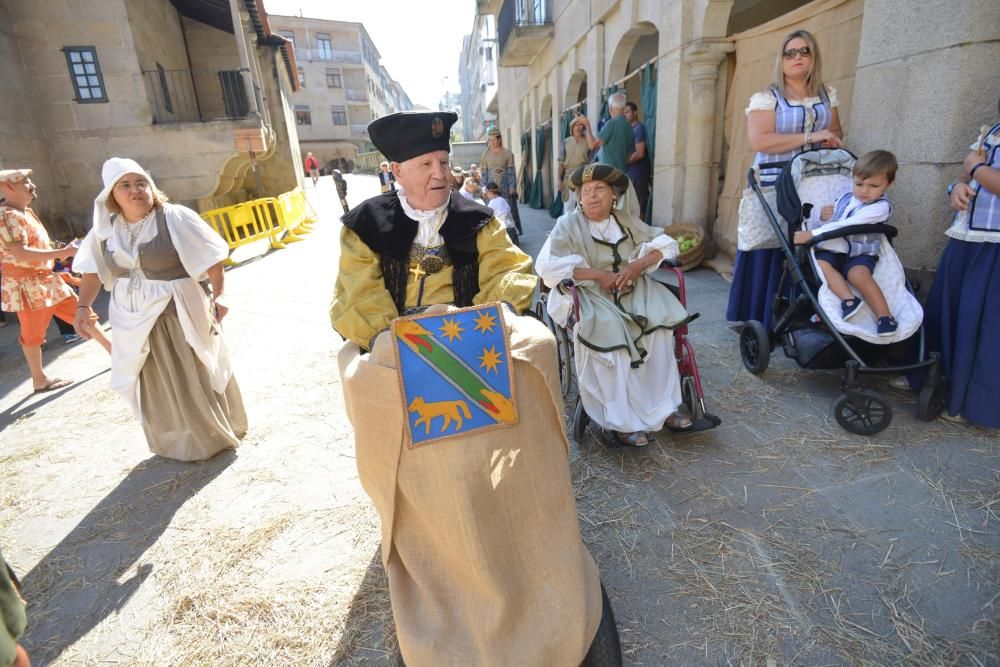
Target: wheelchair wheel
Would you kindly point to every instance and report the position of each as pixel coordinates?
(862, 412)
(689, 396)
(755, 347)
(580, 421)
(564, 345)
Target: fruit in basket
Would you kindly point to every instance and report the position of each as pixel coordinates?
(686, 242)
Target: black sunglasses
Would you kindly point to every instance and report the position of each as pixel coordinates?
(802, 51)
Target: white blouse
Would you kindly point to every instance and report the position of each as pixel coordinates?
(765, 100)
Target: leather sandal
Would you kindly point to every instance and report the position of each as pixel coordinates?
(679, 421)
(636, 439)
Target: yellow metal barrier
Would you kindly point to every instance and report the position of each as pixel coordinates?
(280, 219)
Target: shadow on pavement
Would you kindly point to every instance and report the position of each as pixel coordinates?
(25, 407)
(369, 635)
(76, 585)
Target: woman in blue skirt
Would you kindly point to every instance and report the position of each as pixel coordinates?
(962, 314)
(798, 112)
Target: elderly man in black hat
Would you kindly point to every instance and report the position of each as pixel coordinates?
(480, 533)
(420, 245)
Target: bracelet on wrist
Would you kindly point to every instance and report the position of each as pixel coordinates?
(87, 307)
(972, 172)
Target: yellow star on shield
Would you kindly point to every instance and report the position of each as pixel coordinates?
(485, 322)
(451, 329)
(490, 359)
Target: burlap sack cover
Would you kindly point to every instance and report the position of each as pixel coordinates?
(480, 536)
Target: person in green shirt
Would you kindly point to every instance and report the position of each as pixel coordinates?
(12, 619)
(616, 139)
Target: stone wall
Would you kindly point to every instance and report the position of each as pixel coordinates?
(926, 81)
(210, 51)
(22, 143)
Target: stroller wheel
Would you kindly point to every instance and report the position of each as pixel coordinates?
(862, 412)
(755, 347)
(930, 402)
(580, 420)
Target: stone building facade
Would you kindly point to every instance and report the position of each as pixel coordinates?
(477, 75)
(166, 82)
(342, 85)
(916, 78)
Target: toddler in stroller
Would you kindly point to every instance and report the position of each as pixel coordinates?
(820, 321)
(850, 261)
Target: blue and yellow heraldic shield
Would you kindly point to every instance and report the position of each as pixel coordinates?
(455, 372)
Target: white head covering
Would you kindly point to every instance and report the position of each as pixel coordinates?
(111, 173)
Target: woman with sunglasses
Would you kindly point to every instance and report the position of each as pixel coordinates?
(797, 112)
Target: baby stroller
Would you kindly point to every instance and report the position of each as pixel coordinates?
(808, 332)
(692, 394)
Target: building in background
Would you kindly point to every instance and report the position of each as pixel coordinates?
(169, 83)
(698, 61)
(477, 73)
(342, 86)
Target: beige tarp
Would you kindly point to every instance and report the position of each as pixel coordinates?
(837, 27)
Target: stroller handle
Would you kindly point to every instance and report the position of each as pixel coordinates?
(889, 231)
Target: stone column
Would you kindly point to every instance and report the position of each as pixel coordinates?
(556, 87)
(702, 59)
(595, 74)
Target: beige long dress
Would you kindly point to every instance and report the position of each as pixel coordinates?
(480, 535)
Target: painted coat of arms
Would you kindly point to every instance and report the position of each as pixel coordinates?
(455, 372)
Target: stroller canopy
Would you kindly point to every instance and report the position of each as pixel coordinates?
(810, 177)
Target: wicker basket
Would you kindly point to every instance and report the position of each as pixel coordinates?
(693, 257)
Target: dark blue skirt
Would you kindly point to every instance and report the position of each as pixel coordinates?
(962, 320)
(756, 275)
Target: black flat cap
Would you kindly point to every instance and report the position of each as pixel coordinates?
(599, 172)
(407, 134)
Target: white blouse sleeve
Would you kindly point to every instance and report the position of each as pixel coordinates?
(553, 270)
(198, 245)
(831, 93)
(90, 259)
(665, 243)
(762, 101)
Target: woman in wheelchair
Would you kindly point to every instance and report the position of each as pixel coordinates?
(623, 325)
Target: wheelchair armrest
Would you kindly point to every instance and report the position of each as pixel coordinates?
(669, 264)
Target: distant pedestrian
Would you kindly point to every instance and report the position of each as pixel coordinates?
(616, 138)
(338, 180)
(575, 152)
(312, 166)
(638, 171)
(31, 289)
(386, 177)
(497, 165)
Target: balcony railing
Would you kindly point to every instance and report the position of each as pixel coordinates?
(523, 29)
(355, 95)
(174, 98)
(329, 55)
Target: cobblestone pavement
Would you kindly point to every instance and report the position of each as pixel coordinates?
(777, 537)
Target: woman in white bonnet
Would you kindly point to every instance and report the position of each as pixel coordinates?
(168, 359)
